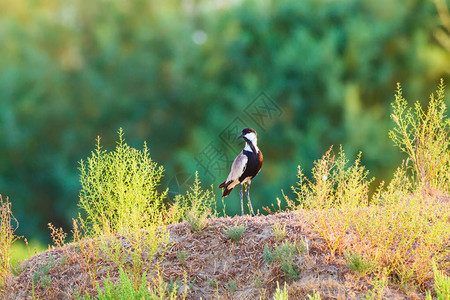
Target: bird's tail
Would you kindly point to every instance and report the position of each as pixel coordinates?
(227, 190)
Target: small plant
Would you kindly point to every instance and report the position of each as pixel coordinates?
(7, 237)
(441, 284)
(235, 233)
(357, 263)
(57, 234)
(63, 260)
(284, 254)
(198, 222)
(41, 275)
(125, 290)
(231, 286)
(267, 254)
(182, 255)
(45, 281)
(281, 294)
(213, 283)
(314, 296)
(19, 268)
(173, 286)
(194, 207)
(258, 283)
(279, 232)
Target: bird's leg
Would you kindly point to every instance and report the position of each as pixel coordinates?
(248, 197)
(242, 201)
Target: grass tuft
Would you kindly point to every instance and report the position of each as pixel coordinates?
(231, 286)
(357, 263)
(41, 275)
(125, 289)
(441, 284)
(314, 296)
(194, 207)
(281, 294)
(279, 232)
(235, 232)
(197, 222)
(284, 254)
(182, 256)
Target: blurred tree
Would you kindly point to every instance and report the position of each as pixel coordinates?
(179, 73)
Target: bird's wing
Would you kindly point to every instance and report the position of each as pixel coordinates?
(238, 167)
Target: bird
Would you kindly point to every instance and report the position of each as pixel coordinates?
(245, 167)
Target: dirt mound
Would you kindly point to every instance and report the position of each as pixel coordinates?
(212, 262)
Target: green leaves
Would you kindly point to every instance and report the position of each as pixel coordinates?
(424, 136)
(119, 189)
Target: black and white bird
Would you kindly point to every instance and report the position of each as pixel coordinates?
(246, 166)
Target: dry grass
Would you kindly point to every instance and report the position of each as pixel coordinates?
(7, 237)
(212, 258)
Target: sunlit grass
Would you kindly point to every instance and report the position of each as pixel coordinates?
(7, 237)
(403, 227)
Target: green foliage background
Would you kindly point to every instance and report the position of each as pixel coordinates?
(176, 73)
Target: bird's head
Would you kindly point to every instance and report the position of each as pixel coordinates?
(249, 134)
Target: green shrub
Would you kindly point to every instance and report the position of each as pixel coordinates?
(424, 137)
(40, 276)
(332, 196)
(357, 263)
(194, 207)
(420, 221)
(119, 189)
(235, 232)
(197, 201)
(334, 184)
(284, 254)
(123, 208)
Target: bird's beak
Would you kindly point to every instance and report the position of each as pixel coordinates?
(240, 136)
